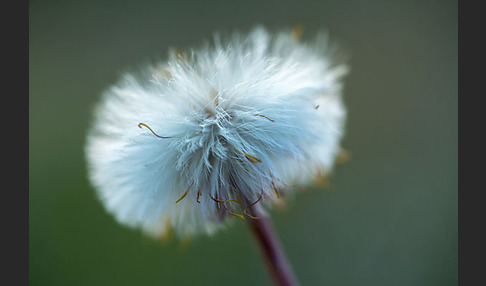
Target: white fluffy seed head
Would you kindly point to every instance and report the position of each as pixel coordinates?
(246, 118)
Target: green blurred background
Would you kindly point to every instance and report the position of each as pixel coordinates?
(390, 215)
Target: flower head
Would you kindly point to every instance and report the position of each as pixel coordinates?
(216, 131)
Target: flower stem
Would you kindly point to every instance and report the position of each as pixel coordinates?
(271, 249)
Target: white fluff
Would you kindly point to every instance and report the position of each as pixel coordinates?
(226, 105)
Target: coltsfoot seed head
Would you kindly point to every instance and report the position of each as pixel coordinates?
(214, 132)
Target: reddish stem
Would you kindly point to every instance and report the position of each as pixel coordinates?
(271, 249)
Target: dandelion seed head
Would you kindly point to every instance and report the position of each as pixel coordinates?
(190, 142)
